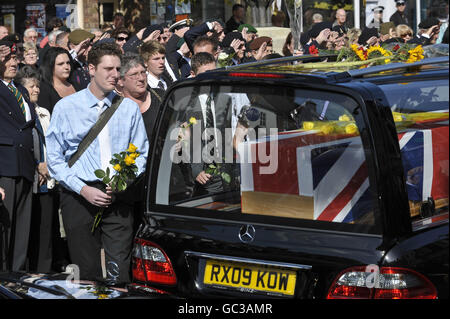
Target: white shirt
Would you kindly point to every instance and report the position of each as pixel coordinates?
(153, 81)
(169, 70)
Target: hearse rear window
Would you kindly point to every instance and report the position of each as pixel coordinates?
(264, 151)
(420, 110)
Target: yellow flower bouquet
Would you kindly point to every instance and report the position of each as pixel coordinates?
(124, 165)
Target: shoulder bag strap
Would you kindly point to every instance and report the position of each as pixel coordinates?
(95, 130)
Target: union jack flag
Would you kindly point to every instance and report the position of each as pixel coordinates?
(332, 170)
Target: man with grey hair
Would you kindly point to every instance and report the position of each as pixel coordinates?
(30, 35)
(51, 43)
(317, 17)
(62, 40)
(340, 24)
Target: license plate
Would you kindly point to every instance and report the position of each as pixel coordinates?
(248, 278)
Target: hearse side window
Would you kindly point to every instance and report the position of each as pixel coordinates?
(266, 151)
(420, 110)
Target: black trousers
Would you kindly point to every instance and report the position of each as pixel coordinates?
(40, 249)
(115, 234)
(18, 200)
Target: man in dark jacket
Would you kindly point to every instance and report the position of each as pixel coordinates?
(17, 164)
(236, 19)
(399, 17)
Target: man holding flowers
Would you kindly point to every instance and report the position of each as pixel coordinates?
(83, 191)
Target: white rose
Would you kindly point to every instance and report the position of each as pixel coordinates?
(223, 56)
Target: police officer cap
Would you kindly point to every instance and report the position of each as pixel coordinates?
(428, 23)
(250, 28)
(79, 35)
(181, 24)
(378, 9)
(397, 2)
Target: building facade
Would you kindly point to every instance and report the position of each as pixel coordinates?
(88, 14)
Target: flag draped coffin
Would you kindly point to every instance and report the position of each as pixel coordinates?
(325, 177)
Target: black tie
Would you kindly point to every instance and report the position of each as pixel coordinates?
(209, 121)
(209, 114)
(161, 85)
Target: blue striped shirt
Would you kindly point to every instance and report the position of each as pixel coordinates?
(72, 118)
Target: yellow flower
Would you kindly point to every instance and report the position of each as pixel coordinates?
(102, 296)
(359, 52)
(415, 54)
(131, 148)
(397, 117)
(382, 51)
(129, 160)
(327, 129)
(134, 155)
(308, 125)
(193, 120)
(351, 128)
(344, 118)
(117, 167)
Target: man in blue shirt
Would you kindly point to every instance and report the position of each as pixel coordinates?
(81, 199)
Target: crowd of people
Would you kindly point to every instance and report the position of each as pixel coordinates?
(53, 92)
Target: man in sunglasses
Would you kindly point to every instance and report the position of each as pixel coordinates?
(399, 17)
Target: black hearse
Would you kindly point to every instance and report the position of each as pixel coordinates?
(320, 184)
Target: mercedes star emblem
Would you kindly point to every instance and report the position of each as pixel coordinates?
(247, 234)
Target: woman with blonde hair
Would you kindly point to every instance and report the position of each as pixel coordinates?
(30, 54)
(353, 35)
(404, 33)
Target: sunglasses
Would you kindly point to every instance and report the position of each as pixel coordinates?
(120, 39)
(406, 35)
(401, 4)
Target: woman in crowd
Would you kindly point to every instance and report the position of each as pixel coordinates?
(404, 33)
(30, 54)
(353, 35)
(40, 246)
(55, 71)
(121, 36)
(288, 47)
(133, 84)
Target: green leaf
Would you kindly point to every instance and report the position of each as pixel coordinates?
(108, 171)
(226, 177)
(122, 185)
(106, 180)
(114, 182)
(99, 173)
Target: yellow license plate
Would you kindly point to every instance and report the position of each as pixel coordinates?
(247, 277)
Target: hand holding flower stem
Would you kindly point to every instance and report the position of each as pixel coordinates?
(126, 170)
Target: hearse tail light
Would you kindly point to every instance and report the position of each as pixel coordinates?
(256, 75)
(151, 264)
(386, 283)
